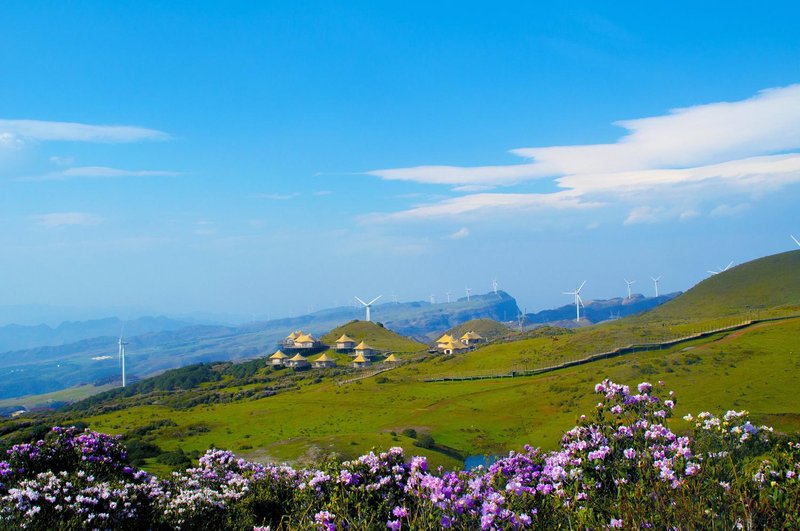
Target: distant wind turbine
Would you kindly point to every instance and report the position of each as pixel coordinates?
(655, 281)
(448, 297)
(368, 305)
(469, 290)
(578, 301)
(122, 356)
(433, 299)
(721, 269)
(494, 286)
(629, 282)
(795, 240)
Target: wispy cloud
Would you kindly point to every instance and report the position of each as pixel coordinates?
(97, 172)
(747, 147)
(21, 130)
(460, 234)
(472, 204)
(57, 220)
(276, 197)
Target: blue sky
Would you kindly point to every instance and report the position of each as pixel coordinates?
(264, 159)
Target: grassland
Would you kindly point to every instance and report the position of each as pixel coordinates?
(752, 369)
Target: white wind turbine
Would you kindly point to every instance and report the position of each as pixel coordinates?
(629, 282)
(122, 356)
(468, 290)
(433, 298)
(720, 269)
(494, 286)
(795, 240)
(655, 281)
(578, 301)
(368, 305)
(448, 296)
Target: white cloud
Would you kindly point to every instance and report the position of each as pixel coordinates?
(475, 203)
(461, 233)
(57, 220)
(710, 151)
(276, 197)
(688, 214)
(20, 130)
(98, 172)
(705, 134)
(644, 214)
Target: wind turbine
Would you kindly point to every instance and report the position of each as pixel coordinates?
(795, 240)
(629, 282)
(655, 281)
(433, 299)
(494, 286)
(720, 269)
(578, 301)
(521, 319)
(448, 296)
(469, 290)
(122, 357)
(368, 305)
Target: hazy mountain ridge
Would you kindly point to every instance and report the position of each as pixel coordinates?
(19, 337)
(50, 368)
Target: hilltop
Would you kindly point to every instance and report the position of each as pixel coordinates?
(488, 328)
(375, 335)
(771, 282)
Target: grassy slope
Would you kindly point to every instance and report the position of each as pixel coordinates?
(375, 336)
(751, 370)
(772, 281)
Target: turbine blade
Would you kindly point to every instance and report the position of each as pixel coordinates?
(376, 298)
(795, 240)
(362, 302)
(580, 288)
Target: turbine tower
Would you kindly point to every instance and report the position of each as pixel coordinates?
(469, 290)
(578, 301)
(655, 281)
(795, 240)
(368, 305)
(629, 282)
(448, 296)
(122, 357)
(494, 286)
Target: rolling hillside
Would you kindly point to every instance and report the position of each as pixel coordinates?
(769, 283)
(750, 368)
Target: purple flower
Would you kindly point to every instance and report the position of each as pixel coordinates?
(394, 525)
(615, 522)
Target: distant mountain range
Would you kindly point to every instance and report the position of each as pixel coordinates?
(599, 310)
(18, 337)
(43, 359)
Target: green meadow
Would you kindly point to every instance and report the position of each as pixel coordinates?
(753, 369)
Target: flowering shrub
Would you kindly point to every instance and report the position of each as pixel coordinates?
(620, 467)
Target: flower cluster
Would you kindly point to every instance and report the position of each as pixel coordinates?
(622, 466)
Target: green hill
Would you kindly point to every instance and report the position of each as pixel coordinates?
(768, 283)
(375, 335)
(488, 328)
